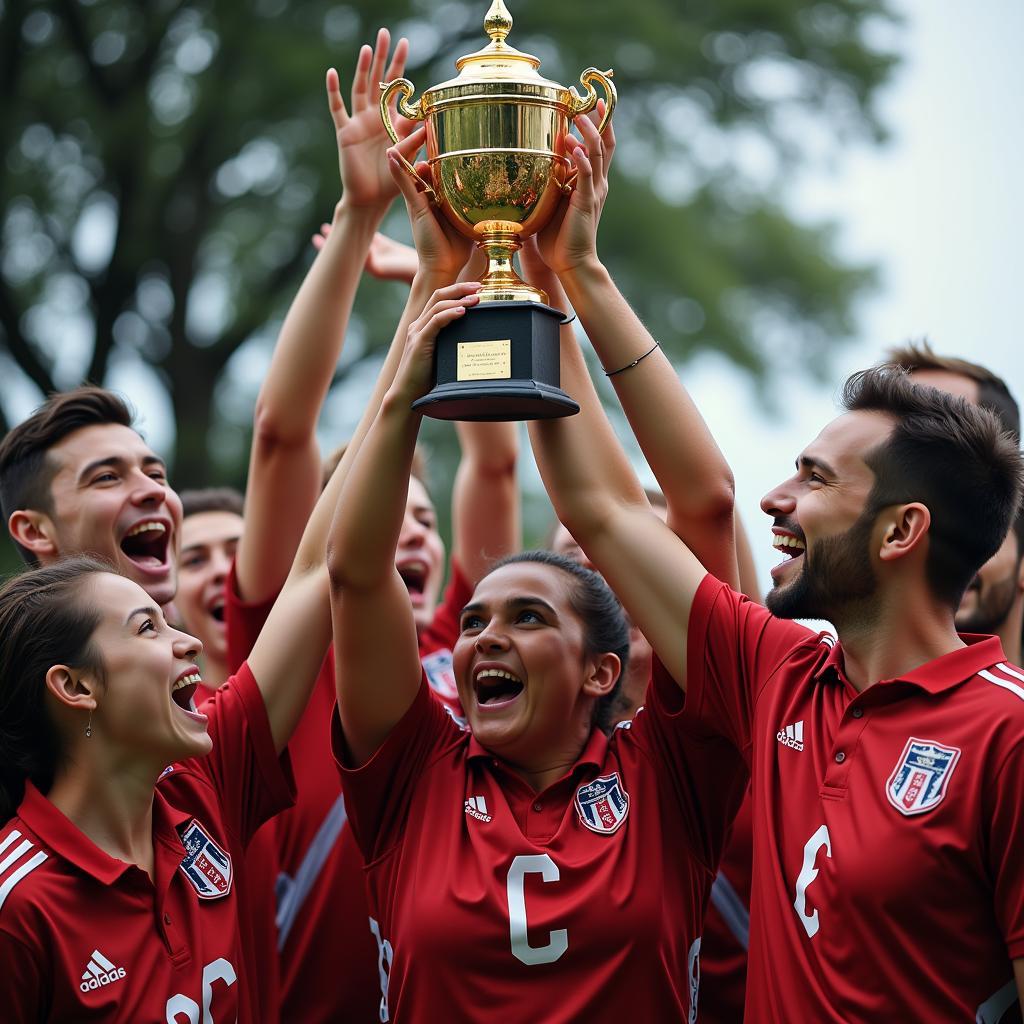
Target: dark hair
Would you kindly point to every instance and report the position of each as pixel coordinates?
(992, 390)
(211, 499)
(25, 472)
(954, 458)
(605, 629)
(44, 621)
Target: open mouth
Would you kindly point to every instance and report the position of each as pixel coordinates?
(414, 575)
(789, 546)
(215, 609)
(145, 545)
(495, 687)
(184, 690)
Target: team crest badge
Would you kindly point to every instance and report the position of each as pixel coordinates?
(919, 781)
(603, 804)
(206, 865)
(441, 673)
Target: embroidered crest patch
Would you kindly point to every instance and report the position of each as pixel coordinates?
(603, 804)
(206, 865)
(918, 782)
(441, 673)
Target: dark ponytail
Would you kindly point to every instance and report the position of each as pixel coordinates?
(605, 630)
(46, 619)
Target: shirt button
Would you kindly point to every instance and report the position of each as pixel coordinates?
(840, 757)
(857, 712)
(538, 806)
(167, 918)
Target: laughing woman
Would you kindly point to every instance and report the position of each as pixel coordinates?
(125, 812)
(531, 868)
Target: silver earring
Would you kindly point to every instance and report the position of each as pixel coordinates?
(88, 728)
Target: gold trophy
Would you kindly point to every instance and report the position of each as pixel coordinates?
(496, 149)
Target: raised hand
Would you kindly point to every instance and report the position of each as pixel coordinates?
(362, 140)
(442, 250)
(415, 375)
(570, 238)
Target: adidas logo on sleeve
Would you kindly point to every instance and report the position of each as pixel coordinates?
(792, 736)
(99, 972)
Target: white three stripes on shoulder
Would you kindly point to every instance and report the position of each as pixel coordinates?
(12, 860)
(1006, 684)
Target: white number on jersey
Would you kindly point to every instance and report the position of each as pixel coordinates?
(183, 1010)
(808, 873)
(693, 970)
(558, 941)
(385, 954)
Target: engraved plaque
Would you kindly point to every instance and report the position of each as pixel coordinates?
(484, 360)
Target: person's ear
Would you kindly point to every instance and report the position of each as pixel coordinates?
(35, 531)
(902, 529)
(603, 674)
(71, 687)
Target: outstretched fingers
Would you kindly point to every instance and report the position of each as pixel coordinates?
(397, 66)
(376, 72)
(593, 144)
(336, 105)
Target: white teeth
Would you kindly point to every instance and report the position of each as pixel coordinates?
(146, 528)
(190, 679)
(782, 541)
(497, 673)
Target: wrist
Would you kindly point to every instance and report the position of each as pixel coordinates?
(368, 218)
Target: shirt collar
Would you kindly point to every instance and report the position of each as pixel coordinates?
(593, 750)
(69, 842)
(939, 674)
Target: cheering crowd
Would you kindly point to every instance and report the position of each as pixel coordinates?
(257, 766)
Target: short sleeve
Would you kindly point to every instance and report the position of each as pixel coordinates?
(733, 645)
(243, 621)
(378, 793)
(707, 774)
(252, 782)
(1005, 819)
(23, 984)
(443, 630)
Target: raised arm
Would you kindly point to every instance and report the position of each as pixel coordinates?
(284, 465)
(376, 650)
(593, 488)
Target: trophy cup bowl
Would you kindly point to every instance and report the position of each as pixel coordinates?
(496, 150)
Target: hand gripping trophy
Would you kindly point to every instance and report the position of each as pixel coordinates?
(496, 149)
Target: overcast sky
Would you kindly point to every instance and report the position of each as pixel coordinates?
(939, 210)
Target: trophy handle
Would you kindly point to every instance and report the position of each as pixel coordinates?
(586, 103)
(413, 111)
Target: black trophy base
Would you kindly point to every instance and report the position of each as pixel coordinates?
(499, 361)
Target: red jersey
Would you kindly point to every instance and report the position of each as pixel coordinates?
(888, 824)
(328, 957)
(581, 902)
(87, 937)
(723, 948)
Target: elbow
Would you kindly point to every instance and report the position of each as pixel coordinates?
(272, 430)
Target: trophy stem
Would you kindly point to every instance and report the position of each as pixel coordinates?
(501, 282)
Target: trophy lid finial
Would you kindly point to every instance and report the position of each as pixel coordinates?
(498, 22)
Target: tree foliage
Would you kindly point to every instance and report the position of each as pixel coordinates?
(165, 163)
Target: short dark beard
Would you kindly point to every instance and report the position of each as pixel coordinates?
(838, 575)
(995, 602)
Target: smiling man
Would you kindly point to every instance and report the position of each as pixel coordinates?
(77, 478)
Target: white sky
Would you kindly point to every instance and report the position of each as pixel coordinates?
(939, 210)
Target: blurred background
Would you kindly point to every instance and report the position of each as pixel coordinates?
(797, 186)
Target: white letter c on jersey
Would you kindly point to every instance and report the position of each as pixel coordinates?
(808, 873)
(558, 941)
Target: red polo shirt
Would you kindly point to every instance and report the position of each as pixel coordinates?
(328, 957)
(581, 902)
(888, 825)
(87, 937)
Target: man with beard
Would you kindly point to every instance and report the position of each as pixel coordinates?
(888, 875)
(994, 601)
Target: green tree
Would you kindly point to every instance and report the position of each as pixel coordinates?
(166, 162)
